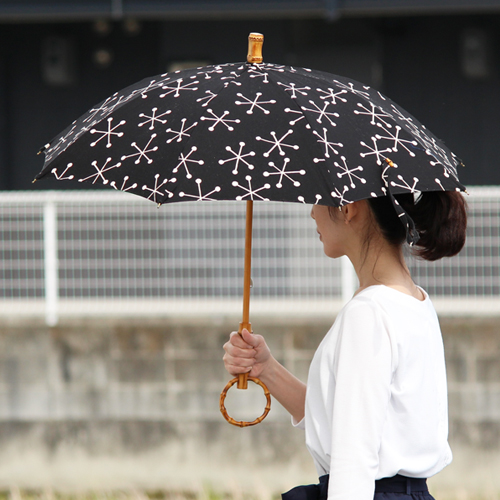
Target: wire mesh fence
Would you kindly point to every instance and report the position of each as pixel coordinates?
(67, 253)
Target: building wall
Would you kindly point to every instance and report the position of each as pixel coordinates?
(106, 403)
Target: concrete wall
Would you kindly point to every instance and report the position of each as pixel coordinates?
(126, 404)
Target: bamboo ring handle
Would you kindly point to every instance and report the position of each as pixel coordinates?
(240, 423)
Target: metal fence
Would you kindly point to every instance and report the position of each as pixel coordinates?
(110, 253)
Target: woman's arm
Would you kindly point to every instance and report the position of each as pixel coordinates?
(249, 353)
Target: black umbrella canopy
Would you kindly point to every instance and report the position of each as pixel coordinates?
(245, 131)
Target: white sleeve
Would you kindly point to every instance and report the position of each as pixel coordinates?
(362, 368)
(301, 424)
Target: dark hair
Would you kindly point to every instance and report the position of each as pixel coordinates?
(440, 218)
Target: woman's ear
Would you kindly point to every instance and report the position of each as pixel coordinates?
(350, 210)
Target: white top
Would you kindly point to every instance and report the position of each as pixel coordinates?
(376, 401)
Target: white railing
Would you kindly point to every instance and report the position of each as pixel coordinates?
(110, 253)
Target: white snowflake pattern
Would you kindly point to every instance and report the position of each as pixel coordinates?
(60, 177)
(176, 90)
(68, 134)
(282, 173)
(332, 96)
(382, 96)
(438, 182)
(322, 113)
(180, 134)
(207, 74)
(408, 120)
(443, 161)
(301, 117)
(153, 84)
(154, 191)
(350, 88)
(383, 192)
(318, 197)
(341, 196)
(232, 78)
(184, 160)
(68, 137)
(345, 170)
(101, 110)
(405, 185)
(277, 143)
(100, 171)
(294, 90)
(107, 133)
(250, 192)
(153, 118)
(327, 144)
(379, 153)
(84, 130)
(436, 151)
(375, 113)
(121, 100)
(397, 141)
(201, 196)
(238, 157)
(219, 119)
(430, 145)
(124, 185)
(279, 68)
(208, 98)
(257, 73)
(142, 153)
(255, 103)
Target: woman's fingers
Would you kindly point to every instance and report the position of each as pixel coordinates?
(238, 352)
(236, 370)
(237, 365)
(245, 353)
(250, 338)
(239, 355)
(244, 340)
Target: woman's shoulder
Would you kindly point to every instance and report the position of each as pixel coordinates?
(382, 295)
(389, 306)
(396, 310)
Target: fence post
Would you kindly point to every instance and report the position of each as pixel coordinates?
(348, 279)
(50, 262)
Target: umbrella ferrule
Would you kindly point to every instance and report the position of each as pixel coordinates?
(255, 42)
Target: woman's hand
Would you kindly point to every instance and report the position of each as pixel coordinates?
(246, 353)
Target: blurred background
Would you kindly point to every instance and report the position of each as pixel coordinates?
(113, 314)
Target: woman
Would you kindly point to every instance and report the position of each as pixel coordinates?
(375, 406)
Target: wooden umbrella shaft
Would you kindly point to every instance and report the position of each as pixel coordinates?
(247, 280)
(242, 380)
(254, 57)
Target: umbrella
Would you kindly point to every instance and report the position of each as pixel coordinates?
(253, 131)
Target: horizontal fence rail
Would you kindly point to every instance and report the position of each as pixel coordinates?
(110, 253)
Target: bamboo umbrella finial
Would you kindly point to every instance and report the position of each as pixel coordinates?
(255, 42)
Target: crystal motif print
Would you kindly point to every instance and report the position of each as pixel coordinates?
(251, 131)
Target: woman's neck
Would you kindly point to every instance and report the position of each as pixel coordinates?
(384, 264)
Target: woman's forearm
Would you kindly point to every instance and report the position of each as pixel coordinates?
(286, 388)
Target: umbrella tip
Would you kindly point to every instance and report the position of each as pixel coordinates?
(255, 42)
(43, 149)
